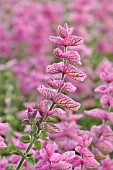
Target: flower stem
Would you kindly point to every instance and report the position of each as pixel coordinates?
(23, 158)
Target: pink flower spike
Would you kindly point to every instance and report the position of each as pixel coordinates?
(74, 73)
(62, 32)
(48, 93)
(66, 102)
(55, 68)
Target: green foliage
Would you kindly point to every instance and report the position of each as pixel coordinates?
(25, 139)
(38, 145)
(30, 159)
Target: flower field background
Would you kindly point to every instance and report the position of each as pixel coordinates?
(56, 85)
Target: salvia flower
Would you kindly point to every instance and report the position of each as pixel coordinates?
(88, 158)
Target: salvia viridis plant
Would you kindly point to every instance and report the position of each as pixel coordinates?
(52, 138)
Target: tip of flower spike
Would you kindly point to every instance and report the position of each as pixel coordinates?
(66, 26)
(79, 62)
(40, 87)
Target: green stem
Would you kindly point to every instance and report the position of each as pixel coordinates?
(44, 119)
(23, 158)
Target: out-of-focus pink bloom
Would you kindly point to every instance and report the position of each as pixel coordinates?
(106, 101)
(102, 89)
(87, 156)
(107, 75)
(104, 64)
(3, 126)
(53, 160)
(2, 144)
(97, 114)
(107, 162)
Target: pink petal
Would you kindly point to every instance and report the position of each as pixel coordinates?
(57, 84)
(73, 41)
(57, 40)
(106, 101)
(68, 87)
(104, 146)
(62, 31)
(57, 112)
(63, 165)
(74, 73)
(101, 89)
(51, 148)
(55, 68)
(110, 117)
(50, 127)
(66, 102)
(73, 57)
(2, 145)
(68, 155)
(97, 114)
(48, 93)
(42, 165)
(59, 53)
(70, 30)
(56, 157)
(3, 126)
(98, 155)
(90, 162)
(44, 107)
(43, 154)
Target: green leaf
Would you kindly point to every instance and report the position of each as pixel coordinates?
(38, 145)
(25, 139)
(30, 159)
(10, 168)
(43, 136)
(27, 132)
(17, 152)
